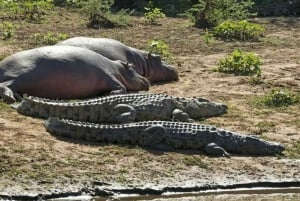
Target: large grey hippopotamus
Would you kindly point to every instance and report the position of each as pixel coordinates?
(65, 72)
(146, 64)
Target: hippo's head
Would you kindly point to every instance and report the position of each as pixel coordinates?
(131, 79)
(159, 71)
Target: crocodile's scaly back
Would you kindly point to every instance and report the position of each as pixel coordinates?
(141, 107)
(174, 134)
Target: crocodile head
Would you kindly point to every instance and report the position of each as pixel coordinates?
(253, 146)
(197, 108)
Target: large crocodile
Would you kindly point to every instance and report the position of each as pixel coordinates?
(123, 108)
(183, 135)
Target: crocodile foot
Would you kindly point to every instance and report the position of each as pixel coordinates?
(215, 150)
(125, 113)
(153, 136)
(179, 115)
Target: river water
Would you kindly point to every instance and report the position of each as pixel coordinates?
(254, 194)
(251, 194)
(230, 197)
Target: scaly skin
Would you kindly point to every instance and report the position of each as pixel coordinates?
(123, 108)
(179, 135)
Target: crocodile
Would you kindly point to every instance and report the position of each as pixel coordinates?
(122, 108)
(158, 134)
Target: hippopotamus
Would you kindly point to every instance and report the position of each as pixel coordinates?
(65, 72)
(148, 65)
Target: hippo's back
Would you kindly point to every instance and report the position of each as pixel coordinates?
(58, 72)
(44, 57)
(110, 48)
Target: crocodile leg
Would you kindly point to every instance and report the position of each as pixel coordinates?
(179, 115)
(153, 135)
(125, 113)
(215, 150)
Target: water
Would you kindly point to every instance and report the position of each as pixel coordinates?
(250, 194)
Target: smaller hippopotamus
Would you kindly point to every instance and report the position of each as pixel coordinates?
(65, 72)
(148, 65)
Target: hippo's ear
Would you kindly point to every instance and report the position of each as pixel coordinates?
(149, 55)
(154, 57)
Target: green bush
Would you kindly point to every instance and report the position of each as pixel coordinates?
(159, 47)
(279, 98)
(240, 63)
(240, 30)
(152, 15)
(209, 13)
(49, 38)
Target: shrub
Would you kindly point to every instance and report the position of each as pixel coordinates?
(240, 30)
(240, 63)
(279, 98)
(209, 13)
(121, 18)
(152, 15)
(49, 38)
(8, 30)
(100, 15)
(159, 47)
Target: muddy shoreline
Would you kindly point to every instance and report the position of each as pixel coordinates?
(107, 190)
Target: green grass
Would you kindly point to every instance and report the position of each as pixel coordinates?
(279, 98)
(194, 161)
(294, 150)
(3, 105)
(49, 38)
(297, 60)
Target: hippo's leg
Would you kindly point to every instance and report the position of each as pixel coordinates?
(153, 137)
(7, 94)
(179, 115)
(117, 87)
(215, 150)
(124, 113)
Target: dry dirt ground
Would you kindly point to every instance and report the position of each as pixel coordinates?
(32, 160)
